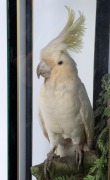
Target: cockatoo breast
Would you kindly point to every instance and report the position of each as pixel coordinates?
(60, 105)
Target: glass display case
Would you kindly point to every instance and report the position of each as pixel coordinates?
(31, 25)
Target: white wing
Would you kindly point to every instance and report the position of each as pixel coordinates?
(42, 124)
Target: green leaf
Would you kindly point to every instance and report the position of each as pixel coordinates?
(107, 112)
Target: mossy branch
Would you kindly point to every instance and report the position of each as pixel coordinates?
(66, 167)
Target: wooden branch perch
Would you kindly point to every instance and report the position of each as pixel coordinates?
(66, 166)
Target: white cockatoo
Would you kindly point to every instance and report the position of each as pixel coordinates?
(65, 113)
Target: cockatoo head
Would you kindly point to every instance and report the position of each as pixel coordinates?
(56, 54)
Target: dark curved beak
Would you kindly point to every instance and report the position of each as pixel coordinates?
(38, 71)
(43, 69)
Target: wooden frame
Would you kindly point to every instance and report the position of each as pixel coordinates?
(12, 89)
(13, 125)
(101, 58)
(28, 88)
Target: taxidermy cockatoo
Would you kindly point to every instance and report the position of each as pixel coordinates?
(65, 112)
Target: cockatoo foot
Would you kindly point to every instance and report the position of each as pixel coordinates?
(78, 156)
(48, 162)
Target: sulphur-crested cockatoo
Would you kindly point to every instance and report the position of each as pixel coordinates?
(65, 112)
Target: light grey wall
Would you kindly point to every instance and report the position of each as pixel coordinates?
(21, 88)
(49, 17)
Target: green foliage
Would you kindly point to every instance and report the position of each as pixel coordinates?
(64, 178)
(35, 172)
(99, 170)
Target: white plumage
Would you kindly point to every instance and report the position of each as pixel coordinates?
(65, 112)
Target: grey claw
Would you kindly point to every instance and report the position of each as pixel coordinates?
(47, 164)
(78, 157)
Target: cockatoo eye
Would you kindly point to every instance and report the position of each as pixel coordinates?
(60, 62)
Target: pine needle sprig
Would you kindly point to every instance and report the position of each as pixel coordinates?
(99, 170)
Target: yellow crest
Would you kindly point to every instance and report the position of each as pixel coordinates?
(73, 31)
